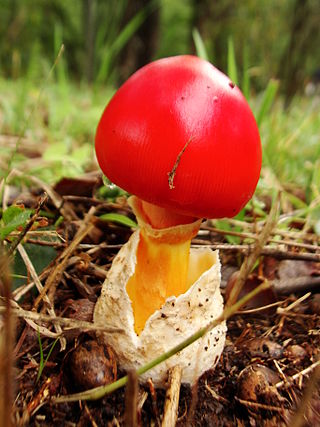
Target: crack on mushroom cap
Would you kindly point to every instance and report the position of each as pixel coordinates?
(172, 173)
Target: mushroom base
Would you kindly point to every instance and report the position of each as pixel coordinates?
(178, 318)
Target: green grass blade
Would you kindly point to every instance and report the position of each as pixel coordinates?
(58, 42)
(26, 122)
(41, 365)
(120, 219)
(199, 44)
(245, 87)
(232, 64)
(122, 39)
(267, 100)
(42, 362)
(50, 351)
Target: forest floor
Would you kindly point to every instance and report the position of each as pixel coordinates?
(268, 374)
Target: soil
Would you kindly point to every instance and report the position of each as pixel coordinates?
(268, 374)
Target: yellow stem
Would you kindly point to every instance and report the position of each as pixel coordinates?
(162, 265)
(161, 271)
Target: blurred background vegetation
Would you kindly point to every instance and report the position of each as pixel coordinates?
(51, 102)
(107, 40)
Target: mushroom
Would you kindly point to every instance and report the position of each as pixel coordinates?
(180, 137)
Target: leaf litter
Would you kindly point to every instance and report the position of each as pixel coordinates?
(268, 373)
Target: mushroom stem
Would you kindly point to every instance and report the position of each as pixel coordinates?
(159, 217)
(163, 262)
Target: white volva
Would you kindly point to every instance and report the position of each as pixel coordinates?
(175, 321)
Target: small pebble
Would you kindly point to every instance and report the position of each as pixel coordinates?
(255, 382)
(90, 366)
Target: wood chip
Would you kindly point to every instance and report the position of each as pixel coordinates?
(172, 398)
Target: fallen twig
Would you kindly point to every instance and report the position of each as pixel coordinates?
(6, 345)
(289, 234)
(265, 250)
(171, 405)
(24, 289)
(68, 323)
(256, 405)
(131, 400)
(215, 395)
(30, 223)
(62, 260)
(254, 237)
(249, 262)
(39, 287)
(298, 418)
(290, 380)
(294, 304)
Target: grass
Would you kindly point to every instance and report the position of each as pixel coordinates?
(290, 141)
(43, 361)
(60, 133)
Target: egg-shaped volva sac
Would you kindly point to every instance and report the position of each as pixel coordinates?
(175, 320)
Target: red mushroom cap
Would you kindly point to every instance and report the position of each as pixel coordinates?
(179, 134)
